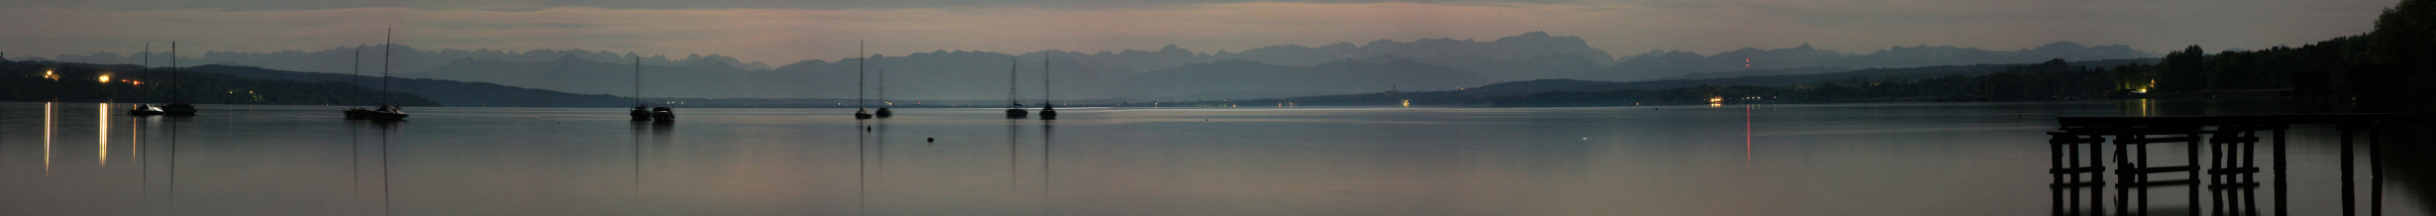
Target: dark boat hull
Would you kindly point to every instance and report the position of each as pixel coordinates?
(386, 116)
(178, 109)
(1017, 113)
(663, 114)
(358, 113)
(639, 115)
(883, 113)
(1048, 114)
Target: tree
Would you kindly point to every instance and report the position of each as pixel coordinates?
(2183, 71)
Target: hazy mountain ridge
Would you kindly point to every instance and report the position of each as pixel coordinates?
(445, 92)
(1556, 85)
(408, 59)
(976, 75)
(1245, 78)
(1659, 64)
(1949, 55)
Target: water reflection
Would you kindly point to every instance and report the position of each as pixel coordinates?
(47, 123)
(660, 131)
(173, 164)
(355, 166)
(386, 129)
(635, 199)
(1148, 162)
(862, 191)
(102, 143)
(1045, 128)
(1011, 156)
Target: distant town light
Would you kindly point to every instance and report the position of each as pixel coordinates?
(105, 78)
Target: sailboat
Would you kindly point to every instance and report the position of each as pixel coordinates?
(1015, 110)
(640, 112)
(859, 112)
(141, 109)
(1047, 111)
(175, 107)
(883, 113)
(387, 111)
(357, 78)
(664, 113)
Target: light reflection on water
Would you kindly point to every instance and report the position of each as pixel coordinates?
(1843, 159)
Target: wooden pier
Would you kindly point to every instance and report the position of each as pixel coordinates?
(2079, 161)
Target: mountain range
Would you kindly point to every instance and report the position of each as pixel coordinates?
(1170, 73)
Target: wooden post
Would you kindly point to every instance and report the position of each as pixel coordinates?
(2376, 175)
(2348, 204)
(2249, 160)
(2280, 190)
(2190, 156)
(2097, 194)
(2216, 161)
(2056, 142)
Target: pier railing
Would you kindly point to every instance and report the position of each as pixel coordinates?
(2080, 163)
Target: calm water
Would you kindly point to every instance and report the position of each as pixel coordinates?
(1869, 159)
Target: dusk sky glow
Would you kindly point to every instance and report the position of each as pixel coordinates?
(780, 32)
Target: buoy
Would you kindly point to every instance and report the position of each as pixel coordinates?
(933, 139)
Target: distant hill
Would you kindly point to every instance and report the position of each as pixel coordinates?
(1339, 77)
(409, 60)
(1489, 95)
(444, 92)
(1949, 55)
(1664, 64)
(80, 82)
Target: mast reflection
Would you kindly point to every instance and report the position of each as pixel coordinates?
(386, 127)
(636, 200)
(143, 164)
(880, 140)
(1046, 128)
(862, 191)
(355, 166)
(1011, 156)
(173, 164)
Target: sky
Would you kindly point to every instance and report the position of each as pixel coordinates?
(786, 31)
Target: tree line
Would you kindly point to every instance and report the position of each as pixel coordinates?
(78, 82)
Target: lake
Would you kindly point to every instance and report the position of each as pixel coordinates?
(1830, 159)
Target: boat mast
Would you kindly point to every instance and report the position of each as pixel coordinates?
(356, 76)
(1011, 65)
(638, 80)
(1044, 80)
(883, 94)
(859, 59)
(147, 60)
(173, 72)
(386, 45)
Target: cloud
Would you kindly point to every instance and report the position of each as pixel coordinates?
(532, 5)
(782, 32)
